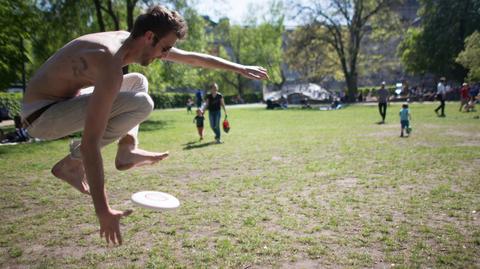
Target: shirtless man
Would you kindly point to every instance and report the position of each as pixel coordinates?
(82, 87)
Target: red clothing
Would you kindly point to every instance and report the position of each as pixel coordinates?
(464, 92)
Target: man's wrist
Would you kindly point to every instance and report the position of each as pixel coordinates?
(103, 211)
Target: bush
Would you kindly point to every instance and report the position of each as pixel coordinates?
(170, 100)
(12, 102)
(248, 98)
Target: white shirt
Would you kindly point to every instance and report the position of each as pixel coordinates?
(441, 88)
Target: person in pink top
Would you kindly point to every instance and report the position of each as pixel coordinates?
(464, 95)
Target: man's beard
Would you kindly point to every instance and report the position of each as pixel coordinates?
(145, 60)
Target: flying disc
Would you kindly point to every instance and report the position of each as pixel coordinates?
(155, 200)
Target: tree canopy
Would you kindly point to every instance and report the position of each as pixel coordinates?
(45, 26)
(470, 56)
(435, 44)
(342, 24)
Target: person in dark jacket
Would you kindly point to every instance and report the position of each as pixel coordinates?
(213, 103)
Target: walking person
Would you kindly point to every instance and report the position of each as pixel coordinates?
(198, 120)
(383, 96)
(199, 98)
(405, 119)
(464, 96)
(441, 96)
(189, 105)
(82, 87)
(213, 103)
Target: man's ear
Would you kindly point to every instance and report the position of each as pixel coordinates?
(149, 35)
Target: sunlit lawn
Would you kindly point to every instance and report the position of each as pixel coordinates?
(288, 189)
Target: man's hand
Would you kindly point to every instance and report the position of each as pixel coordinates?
(110, 225)
(255, 72)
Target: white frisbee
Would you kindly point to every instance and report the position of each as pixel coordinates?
(155, 200)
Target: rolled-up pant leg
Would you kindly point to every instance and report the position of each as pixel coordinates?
(131, 106)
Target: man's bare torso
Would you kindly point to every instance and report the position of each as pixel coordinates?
(73, 67)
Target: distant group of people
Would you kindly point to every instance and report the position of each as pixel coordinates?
(213, 102)
(469, 96)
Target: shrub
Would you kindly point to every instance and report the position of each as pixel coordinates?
(170, 100)
(12, 102)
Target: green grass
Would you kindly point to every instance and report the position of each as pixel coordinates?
(287, 189)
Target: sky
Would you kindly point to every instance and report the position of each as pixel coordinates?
(235, 10)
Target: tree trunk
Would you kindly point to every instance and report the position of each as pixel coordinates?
(98, 8)
(114, 16)
(240, 85)
(130, 8)
(351, 80)
(22, 50)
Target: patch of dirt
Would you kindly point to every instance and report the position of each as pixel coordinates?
(431, 126)
(470, 135)
(348, 182)
(470, 143)
(304, 264)
(385, 133)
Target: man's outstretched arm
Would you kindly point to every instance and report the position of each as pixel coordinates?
(107, 84)
(209, 61)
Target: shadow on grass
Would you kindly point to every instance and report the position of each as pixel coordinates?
(194, 145)
(152, 125)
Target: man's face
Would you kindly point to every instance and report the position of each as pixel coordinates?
(159, 50)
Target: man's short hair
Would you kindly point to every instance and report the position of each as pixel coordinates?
(161, 21)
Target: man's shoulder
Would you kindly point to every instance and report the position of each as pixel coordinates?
(103, 44)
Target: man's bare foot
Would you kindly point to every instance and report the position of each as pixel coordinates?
(129, 157)
(72, 172)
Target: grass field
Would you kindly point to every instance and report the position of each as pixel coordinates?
(287, 189)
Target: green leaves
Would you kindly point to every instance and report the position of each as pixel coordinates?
(434, 46)
(470, 56)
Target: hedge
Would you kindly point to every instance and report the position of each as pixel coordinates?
(172, 100)
(11, 102)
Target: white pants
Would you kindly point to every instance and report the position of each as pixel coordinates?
(131, 106)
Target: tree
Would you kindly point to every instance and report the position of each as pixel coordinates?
(470, 56)
(309, 55)
(17, 20)
(257, 43)
(433, 47)
(346, 23)
(62, 21)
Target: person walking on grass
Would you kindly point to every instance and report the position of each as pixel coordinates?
(441, 96)
(383, 95)
(189, 105)
(405, 119)
(213, 103)
(198, 120)
(464, 96)
(199, 98)
(82, 87)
